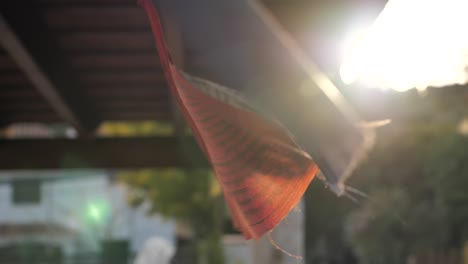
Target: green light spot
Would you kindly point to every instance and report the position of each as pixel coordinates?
(97, 211)
(94, 212)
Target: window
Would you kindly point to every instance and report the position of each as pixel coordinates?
(26, 191)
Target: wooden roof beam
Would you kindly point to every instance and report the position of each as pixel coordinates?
(24, 35)
(108, 153)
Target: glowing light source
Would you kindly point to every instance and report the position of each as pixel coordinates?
(97, 211)
(412, 44)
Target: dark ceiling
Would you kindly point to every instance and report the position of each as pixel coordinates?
(83, 62)
(100, 56)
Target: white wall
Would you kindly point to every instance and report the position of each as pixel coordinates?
(237, 250)
(65, 198)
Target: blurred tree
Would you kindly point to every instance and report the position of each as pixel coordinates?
(416, 177)
(190, 196)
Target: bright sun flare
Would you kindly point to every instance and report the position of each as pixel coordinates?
(412, 44)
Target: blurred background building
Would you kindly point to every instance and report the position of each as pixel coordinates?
(73, 212)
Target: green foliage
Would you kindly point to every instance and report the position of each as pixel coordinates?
(192, 197)
(173, 193)
(417, 180)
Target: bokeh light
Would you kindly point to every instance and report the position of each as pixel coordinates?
(412, 44)
(97, 212)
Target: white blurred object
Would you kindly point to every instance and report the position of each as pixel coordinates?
(155, 251)
(412, 44)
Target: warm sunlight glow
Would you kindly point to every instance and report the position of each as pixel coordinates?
(412, 44)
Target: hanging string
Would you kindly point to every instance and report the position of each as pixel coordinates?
(274, 244)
